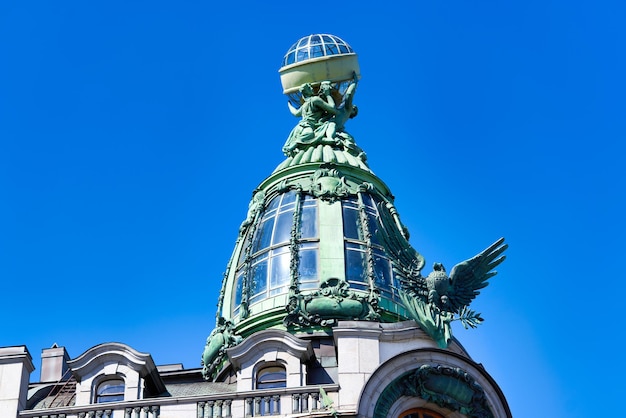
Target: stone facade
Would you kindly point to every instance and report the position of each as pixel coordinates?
(358, 365)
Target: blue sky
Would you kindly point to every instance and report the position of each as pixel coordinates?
(133, 133)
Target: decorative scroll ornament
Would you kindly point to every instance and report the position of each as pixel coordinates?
(327, 184)
(449, 387)
(334, 301)
(220, 339)
(436, 300)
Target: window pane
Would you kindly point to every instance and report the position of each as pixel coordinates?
(238, 288)
(289, 197)
(355, 266)
(280, 270)
(272, 205)
(303, 41)
(331, 49)
(382, 269)
(272, 377)
(307, 268)
(283, 228)
(263, 235)
(367, 201)
(350, 223)
(258, 275)
(111, 387)
(303, 54)
(317, 51)
(308, 222)
(111, 390)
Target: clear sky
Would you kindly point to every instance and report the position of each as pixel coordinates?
(132, 134)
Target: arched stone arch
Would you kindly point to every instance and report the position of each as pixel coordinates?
(271, 346)
(439, 379)
(115, 359)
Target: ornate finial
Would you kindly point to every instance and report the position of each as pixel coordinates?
(320, 75)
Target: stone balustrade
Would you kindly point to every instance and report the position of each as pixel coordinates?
(268, 402)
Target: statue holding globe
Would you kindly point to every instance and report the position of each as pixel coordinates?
(320, 74)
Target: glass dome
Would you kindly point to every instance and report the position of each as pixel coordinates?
(315, 46)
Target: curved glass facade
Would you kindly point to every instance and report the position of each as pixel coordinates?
(367, 263)
(315, 46)
(288, 225)
(281, 248)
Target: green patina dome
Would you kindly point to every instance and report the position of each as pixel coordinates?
(318, 243)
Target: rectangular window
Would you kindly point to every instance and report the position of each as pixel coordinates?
(307, 267)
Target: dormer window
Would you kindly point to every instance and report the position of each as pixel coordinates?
(111, 390)
(271, 378)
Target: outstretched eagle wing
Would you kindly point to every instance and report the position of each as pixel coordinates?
(469, 276)
(395, 242)
(407, 261)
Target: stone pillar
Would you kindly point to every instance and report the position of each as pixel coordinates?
(54, 364)
(16, 365)
(358, 356)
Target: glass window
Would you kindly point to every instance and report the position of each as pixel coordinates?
(271, 377)
(356, 265)
(238, 288)
(282, 233)
(268, 271)
(263, 235)
(317, 51)
(280, 271)
(111, 390)
(303, 54)
(307, 267)
(382, 270)
(351, 222)
(304, 41)
(308, 218)
(258, 277)
(356, 246)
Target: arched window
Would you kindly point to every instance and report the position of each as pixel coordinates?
(420, 413)
(271, 377)
(110, 390)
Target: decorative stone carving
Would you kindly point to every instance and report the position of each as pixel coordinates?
(220, 339)
(334, 301)
(255, 205)
(449, 387)
(326, 184)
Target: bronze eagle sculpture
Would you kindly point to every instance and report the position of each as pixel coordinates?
(436, 300)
